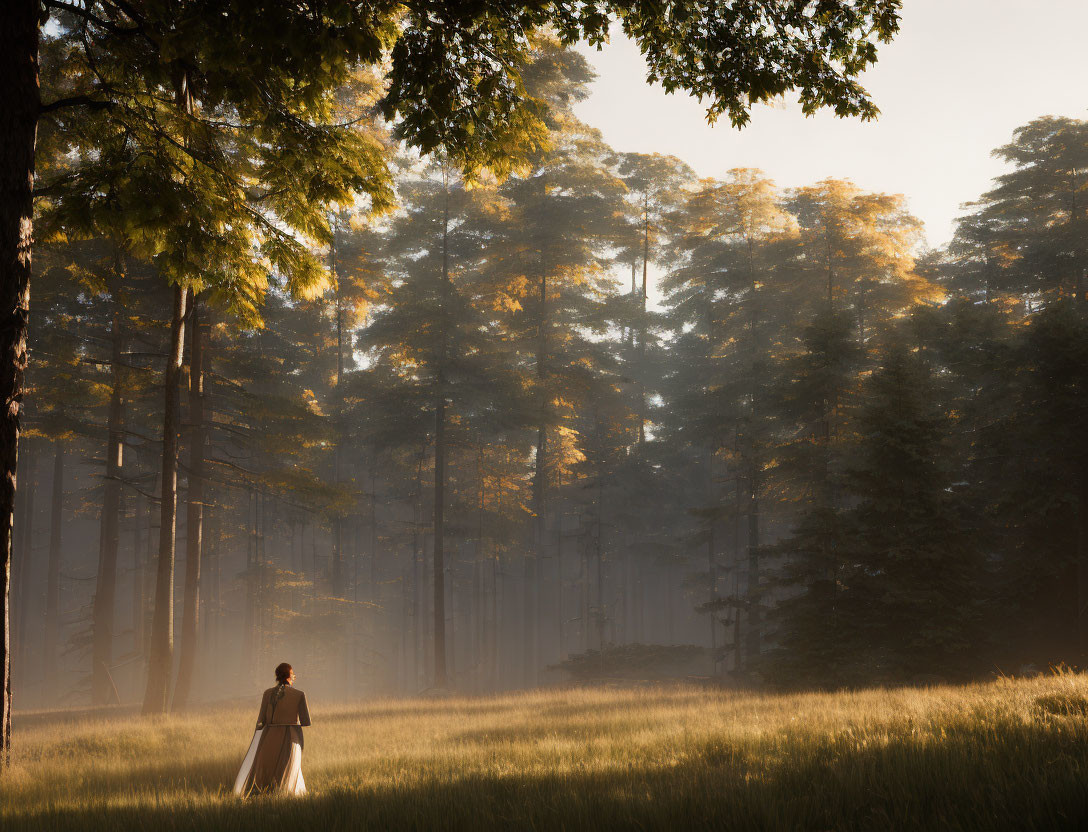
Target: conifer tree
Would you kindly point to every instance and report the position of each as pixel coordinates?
(908, 585)
(735, 237)
(566, 208)
(654, 183)
(858, 251)
(1026, 234)
(815, 406)
(216, 99)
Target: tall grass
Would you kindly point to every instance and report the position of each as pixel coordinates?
(1007, 754)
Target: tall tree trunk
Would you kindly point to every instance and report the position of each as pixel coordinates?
(372, 565)
(712, 567)
(1082, 564)
(19, 107)
(1077, 260)
(194, 508)
(440, 462)
(583, 599)
(642, 325)
(536, 550)
(260, 608)
(140, 559)
(478, 579)
(160, 664)
(600, 616)
(105, 596)
(670, 630)
(249, 616)
(213, 604)
(735, 558)
(337, 570)
(137, 574)
(559, 572)
(830, 269)
(24, 550)
(439, 537)
(755, 334)
(493, 629)
(752, 594)
(52, 579)
(418, 648)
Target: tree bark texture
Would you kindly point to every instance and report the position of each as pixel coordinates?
(52, 571)
(194, 509)
(440, 679)
(160, 664)
(19, 106)
(105, 596)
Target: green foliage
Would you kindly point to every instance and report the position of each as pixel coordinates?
(217, 168)
(860, 461)
(1024, 238)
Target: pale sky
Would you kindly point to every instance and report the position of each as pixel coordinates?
(954, 84)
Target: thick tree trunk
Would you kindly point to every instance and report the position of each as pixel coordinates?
(160, 664)
(194, 509)
(105, 596)
(52, 574)
(19, 106)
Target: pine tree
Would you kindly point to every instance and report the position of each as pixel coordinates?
(1025, 236)
(566, 208)
(859, 253)
(912, 562)
(735, 237)
(815, 406)
(212, 103)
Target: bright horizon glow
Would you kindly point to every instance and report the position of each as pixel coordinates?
(955, 83)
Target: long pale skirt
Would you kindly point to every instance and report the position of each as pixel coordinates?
(273, 762)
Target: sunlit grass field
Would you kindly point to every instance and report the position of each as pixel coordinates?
(1006, 754)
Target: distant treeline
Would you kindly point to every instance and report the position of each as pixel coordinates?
(485, 446)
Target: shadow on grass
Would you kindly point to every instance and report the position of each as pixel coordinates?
(500, 706)
(1026, 776)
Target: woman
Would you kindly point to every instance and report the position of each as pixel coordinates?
(274, 760)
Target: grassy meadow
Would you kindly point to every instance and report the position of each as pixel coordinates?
(1006, 754)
